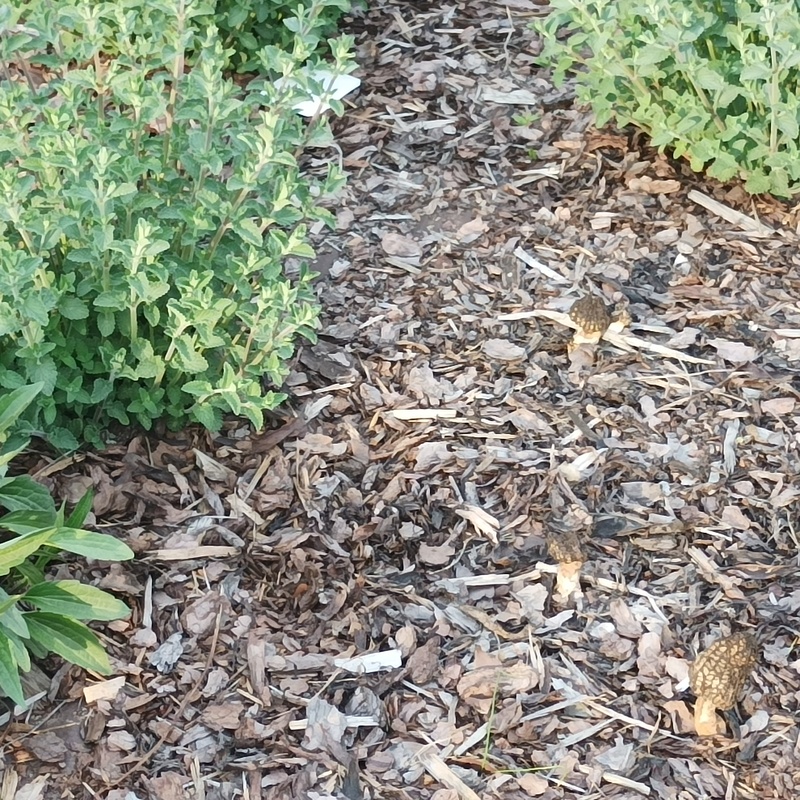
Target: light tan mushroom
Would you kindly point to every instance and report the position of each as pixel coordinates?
(566, 548)
(591, 317)
(718, 677)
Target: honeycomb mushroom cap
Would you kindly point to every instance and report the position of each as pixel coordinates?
(719, 674)
(591, 315)
(565, 547)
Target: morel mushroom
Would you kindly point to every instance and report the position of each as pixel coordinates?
(718, 677)
(592, 318)
(566, 548)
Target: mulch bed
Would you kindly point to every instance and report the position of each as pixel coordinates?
(359, 602)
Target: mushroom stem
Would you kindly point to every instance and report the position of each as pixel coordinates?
(568, 579)
(706, 722)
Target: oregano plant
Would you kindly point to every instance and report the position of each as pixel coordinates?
(149, 208)
(248, 25)
(716, 82)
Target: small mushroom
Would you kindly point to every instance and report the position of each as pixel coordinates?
(718, 677)
(566, 548)
(592, 318)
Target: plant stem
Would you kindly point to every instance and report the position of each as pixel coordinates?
(177, 75)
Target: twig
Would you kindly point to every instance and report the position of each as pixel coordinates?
(731, 215)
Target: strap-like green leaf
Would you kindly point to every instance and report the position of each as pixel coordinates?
(90, 544)
(75, 599)
(11, 618)
(9, 672)
(81, 511)
(68, 638)
(14, 403)
(19, 647)
(15, 551)
(27, 521)
(23, 493)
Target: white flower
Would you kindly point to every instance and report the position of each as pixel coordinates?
(334, 87)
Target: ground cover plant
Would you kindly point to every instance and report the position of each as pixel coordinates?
(149, 210)
(245, 26)
(39, 615)
(716, 83)
(248, 25)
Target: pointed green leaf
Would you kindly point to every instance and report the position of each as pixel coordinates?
(90, 544)
(69, 639)
(81, 511)
(14, 403)
(75, 599)
(14, 552)
(13, 447)
(8, 604)
(9, 672)
(23, 493)
(19, 648)
(26, 521)
(11, 618)
(249, 231)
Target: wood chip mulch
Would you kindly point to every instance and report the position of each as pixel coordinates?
(366, 600)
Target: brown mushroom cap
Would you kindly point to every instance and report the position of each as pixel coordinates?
(718, 677)
(565, 547)
(591, 315)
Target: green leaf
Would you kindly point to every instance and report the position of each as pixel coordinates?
(23, 493)
(13, 447)
(20, 522)
(62, 439)
(106, 323)
(69, 639)
(191, 362)
(724, 167)
(758, 182)
(208, 416)
(21, 646)
(100, 546)
(198, 388)
(73, 308)
(9, 672)
(15, 402)
(11, 617)
(250, 232)
(76, 600)
(14, 552)
(81, 510)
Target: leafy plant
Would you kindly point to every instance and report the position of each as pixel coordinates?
(148, 210)
(37, 615)
(248, 25)
(245, 26)
(715, 81)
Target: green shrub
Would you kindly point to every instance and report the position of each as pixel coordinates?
(248, 25)
(147, 211)
(715, 81)
(245, 26)
(37, 615)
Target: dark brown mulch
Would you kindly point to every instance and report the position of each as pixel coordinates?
(437, 435)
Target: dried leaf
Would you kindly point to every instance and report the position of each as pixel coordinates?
(735, 352)
(503, 350)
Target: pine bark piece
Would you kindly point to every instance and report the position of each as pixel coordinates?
(592, 318)
(718, 677)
